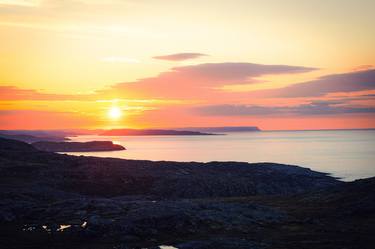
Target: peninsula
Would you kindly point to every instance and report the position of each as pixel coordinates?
(152, 132)
(77, 146)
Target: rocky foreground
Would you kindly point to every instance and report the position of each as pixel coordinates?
(49, 200)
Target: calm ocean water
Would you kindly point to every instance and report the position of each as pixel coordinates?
(349, 154)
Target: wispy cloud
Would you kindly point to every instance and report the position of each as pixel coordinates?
(335, 83)
(15, 93)
(17, 119)
(201, 80)
(179, 56)
(311, 109)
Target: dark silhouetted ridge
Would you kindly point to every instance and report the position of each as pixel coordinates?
(77, 146)
(117, 203)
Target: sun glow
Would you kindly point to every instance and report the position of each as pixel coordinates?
(114, 113)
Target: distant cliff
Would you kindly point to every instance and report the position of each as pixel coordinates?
(77, 146)
(151, 132)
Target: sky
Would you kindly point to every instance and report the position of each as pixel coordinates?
(102, 64)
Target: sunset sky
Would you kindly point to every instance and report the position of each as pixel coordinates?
(291, 64)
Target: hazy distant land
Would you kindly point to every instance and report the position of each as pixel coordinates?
(32, 136)
(27, 138)
(222, 129)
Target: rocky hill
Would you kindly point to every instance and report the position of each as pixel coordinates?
(49, 200)
(114, 177)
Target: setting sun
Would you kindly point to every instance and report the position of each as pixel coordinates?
(114, 113)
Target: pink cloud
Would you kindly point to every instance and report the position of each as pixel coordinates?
(30, 119)
(313, 108)
(334, 83)
(15, 93)
(201, 80)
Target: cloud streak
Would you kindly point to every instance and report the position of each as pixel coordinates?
(201, 80)
(313, 108)
(21, 119)
(179, 56)
(15, 93)
(335, 83)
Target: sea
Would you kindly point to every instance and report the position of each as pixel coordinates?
(346, 154)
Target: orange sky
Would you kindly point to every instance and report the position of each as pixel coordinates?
(273, 64)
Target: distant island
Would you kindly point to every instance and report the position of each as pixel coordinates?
(152, 132)
(222, 129)
(77, 146)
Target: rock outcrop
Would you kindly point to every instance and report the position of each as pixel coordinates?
(50, 200)
(77, 146)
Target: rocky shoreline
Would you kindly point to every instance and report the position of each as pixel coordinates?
(91, 146)
(49, 200)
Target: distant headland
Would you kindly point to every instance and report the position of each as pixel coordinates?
(222, 129)
(151, 132)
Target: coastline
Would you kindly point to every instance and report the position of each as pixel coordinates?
(334, 152)
(59, 201)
